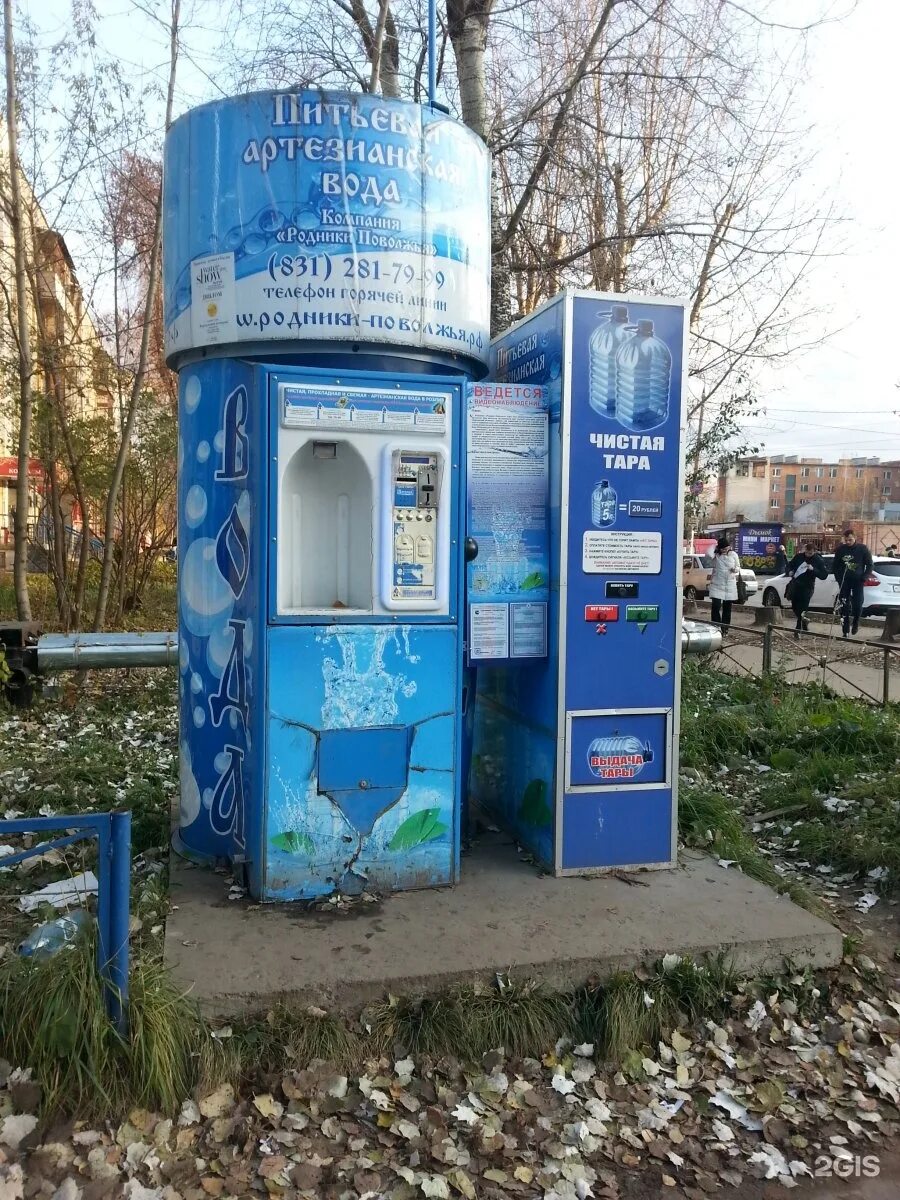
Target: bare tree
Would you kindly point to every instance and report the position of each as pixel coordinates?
(380, 44)
(140, 369)
(25, 364)
(642, 145)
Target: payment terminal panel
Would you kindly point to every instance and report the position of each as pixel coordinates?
(364, 649)
(410, 576)
(364, 498)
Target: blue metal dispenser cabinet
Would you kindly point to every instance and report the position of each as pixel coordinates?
(577, 752)
(326, 300)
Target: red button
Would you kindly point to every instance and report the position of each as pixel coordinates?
(601, 612)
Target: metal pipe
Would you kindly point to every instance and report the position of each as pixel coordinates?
(697, 638)
(84, 651)
(90, 651)
(432, 57)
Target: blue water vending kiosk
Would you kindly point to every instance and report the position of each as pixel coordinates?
(576, 731)
(326, 294)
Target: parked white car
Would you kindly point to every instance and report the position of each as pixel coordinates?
(881, 591)
(696, 570)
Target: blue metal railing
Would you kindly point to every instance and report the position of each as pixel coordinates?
(113, 834)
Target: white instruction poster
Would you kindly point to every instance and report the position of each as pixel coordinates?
(621, 552)
(489, 631)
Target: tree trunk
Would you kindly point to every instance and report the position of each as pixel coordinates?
(468, 26)
(390, 58)
(384, 54)
(501, 298)
(138, 382)
(26, 368)
(58, 556)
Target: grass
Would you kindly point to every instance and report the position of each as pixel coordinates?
(754, 746)
(114, 743)
(713, 822)
(799, 985)
(52, 1019)
(522, 1018)
(726, 717)
(637, 1009)
(109, 744)
(290, 1039)
(157, 609)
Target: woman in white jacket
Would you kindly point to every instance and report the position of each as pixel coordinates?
(723, 589)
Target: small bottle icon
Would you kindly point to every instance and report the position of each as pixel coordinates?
(603, 347)
(643, 369)
(603, 505)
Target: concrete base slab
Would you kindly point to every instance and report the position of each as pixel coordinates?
(236, 957)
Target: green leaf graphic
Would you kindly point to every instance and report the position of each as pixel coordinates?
(293, 842)
(534, 809)
(532, 581)
(422, 826)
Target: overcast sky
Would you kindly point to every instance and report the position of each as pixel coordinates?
(839, 398)
(843, 397)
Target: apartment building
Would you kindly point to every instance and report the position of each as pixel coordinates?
(71, 364)
(806, 492)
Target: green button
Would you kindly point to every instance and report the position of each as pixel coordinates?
(642, 612)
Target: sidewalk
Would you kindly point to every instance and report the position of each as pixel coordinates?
(503, 915)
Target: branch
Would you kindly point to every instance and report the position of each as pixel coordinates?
(556, 128)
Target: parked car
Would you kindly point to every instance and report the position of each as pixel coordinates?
(881, 592)
(696, 570)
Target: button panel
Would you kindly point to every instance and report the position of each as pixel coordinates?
(601, 612)
(642, 612)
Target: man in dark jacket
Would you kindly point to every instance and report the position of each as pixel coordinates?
(852, 563)
(804, 569)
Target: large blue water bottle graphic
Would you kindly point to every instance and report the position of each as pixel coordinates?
(618, 757)
(643, 371)
(604, 345)
(603, 505)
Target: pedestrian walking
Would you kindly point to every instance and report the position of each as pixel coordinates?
(804, 569)
(852, 563)
(781, 560)
(723, 582)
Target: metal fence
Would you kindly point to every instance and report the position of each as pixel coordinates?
(113, 834)
(826, 656)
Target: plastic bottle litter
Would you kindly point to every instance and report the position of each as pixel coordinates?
(53, 936)
(643, 370)
(603, 505)
(604, 345)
